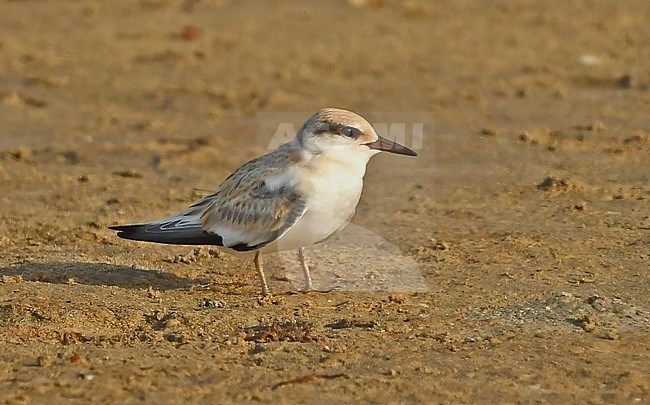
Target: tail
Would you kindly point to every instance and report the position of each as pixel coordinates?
(168, 232)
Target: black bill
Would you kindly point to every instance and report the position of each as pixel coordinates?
(389, 146)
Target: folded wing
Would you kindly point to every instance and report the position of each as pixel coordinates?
(253, 207)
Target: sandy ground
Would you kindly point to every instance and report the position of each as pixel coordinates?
(515, 247)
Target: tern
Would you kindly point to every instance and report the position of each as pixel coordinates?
(297, 195)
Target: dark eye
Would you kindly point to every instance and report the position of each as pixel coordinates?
(350, 132)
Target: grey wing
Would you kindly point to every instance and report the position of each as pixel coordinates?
(253, 219)
(253, 207)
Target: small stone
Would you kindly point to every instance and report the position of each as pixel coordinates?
(210, 303)
(86, 376)
(128, 173)
(11, 279)
(553, 183)
(43, 361)
(191, 33)
(441, 245)
(258, 348)
(175, 338)
(588, 322)
(494, 340)
(172, 323)
(611, 334)
(151, 293)
(580, 206)
(490, 132)
(397, 299)
(425, 369)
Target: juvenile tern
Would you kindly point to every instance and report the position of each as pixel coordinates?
(295, 196)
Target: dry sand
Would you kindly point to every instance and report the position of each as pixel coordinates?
(523, 225)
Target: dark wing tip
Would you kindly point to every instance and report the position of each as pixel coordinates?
(155, 233)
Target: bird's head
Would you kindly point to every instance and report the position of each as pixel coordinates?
(336, 130)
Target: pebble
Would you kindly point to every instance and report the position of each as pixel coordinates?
(172, 323)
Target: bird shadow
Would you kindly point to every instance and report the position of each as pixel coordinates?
(103, 274)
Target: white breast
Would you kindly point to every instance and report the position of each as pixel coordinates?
(332, 185)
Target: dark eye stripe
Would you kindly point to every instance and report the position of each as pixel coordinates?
(336, 128)
(327, 127)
